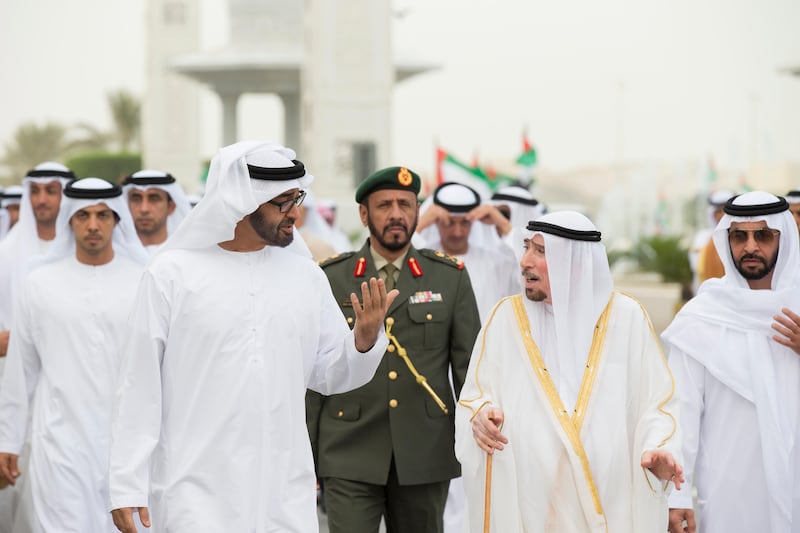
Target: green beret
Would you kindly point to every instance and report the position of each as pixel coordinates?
(399, 178)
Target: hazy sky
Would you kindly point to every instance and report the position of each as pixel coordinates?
(594, 81)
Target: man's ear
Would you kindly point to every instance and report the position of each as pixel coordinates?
(363, 212)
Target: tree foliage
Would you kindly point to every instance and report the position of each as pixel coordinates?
(32, 143)
(664, 254)
(126, 112)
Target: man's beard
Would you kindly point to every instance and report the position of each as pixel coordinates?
(45, 218)
(536, 295)
(761, 273)
(271, 233)
(396, 243)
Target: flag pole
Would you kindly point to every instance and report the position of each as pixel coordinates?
(487, 500)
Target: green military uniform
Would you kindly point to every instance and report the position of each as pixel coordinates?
(359, 433)
(386, 449)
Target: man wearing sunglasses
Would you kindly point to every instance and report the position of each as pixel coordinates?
(735, 354)
(229, 328)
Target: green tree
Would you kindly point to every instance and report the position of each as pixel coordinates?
(126, 115)
(663, 254)
(31, 144)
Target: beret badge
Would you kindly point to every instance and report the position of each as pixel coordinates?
(404, 177)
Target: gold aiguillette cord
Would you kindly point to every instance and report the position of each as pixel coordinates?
(422, 380)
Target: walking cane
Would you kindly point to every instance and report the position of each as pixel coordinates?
(487, 498)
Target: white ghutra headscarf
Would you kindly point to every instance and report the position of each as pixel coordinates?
(580, 288)
(87, 192)
(231, 193)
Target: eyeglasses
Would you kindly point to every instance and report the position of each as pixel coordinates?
(286, 205)
(761, 236)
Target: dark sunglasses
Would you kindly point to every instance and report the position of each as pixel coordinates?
(761, 236)
(286, 205)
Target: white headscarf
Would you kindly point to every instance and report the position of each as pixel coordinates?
(231, 194)
(9, 196)
(716, 200)
(787, 268)
(751, 363)
(157, 179)
(580, 288)
(524, 207)
(315, 224)
(458, 199)
(22, 241)
(25, 228)
(124, 239)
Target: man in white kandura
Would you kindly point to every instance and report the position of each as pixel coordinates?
(456, 222)
(735, 352)
(63, 359)
(229, 329)
(570, 394)
(158, 205)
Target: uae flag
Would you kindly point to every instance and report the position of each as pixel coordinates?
(448, 169)
(526, 160)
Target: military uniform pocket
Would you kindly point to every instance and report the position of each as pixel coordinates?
(347, 411)
(435, 319)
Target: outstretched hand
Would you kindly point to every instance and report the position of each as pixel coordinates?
(663, 466)
(486, 429)
(370, 312)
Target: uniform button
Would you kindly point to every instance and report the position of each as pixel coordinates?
(393, 375)
(392, 403)
(341, 414)
(390, 348)
(349, 320)
(429, 316)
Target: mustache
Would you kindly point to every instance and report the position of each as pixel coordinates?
(400, 225)
(528, 274)
(746, 257)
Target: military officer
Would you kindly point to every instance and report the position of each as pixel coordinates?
(386, 449)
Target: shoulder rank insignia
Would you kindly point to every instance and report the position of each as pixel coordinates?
(361, 267)
(332, 260)
(442, 258)
(413, 264)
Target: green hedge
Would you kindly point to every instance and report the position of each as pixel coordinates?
(112, 167)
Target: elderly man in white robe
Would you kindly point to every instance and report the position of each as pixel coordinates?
(569, 397)
(158, 205)
(63, 359)
(734, 351)
(230, 328)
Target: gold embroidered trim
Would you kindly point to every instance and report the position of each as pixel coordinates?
(671, 377)
(466, 402)
(590, 372)
(568, 424)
